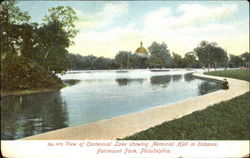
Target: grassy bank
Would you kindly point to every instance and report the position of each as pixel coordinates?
(238, 74)
(30, 91)
(228, 120)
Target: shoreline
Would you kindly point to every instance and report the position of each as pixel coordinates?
(130, 124)
(30, 91)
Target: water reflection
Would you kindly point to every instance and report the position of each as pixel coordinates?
(127, 81)
(208, 87)
(23, 116)
(177, 78)
(93, 100)
(71, 82)
(160, 80)
(188, 77)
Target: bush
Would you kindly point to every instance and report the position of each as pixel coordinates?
(23, 73)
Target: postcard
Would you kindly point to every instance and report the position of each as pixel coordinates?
(125, 79)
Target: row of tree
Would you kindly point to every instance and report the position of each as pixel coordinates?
(32, 53)
(204, 55)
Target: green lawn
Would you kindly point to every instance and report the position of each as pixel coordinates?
(238, 74)
(224, 121)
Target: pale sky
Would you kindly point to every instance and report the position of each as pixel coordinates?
(106, 27)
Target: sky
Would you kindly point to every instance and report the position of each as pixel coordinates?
(107, 27)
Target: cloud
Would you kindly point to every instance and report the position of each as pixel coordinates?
(192, 15)
(102, 18)
(181, 33)
(196, 13)
(106, 43)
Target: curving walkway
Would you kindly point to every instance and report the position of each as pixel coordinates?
(126, 125)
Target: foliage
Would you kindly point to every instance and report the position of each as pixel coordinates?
(66, 16)
(210, 53)
(126, 59)
(11, 19)
(190, 60)
(52, 42)
(246, 59)
(238, 74)
(26, 74)
(32, 52)
(159, 55)
(177, 60)
(238, 61)
(47, 43)
(137, 61)
(90, 62)
(122, 59)
(12, 14)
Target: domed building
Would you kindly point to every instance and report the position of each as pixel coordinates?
(141, 51)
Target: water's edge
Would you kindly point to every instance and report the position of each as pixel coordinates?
(88, 133)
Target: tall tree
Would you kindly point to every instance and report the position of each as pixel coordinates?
(11, 17)
(159, 55)
(219, 57)
(51, 48)
(210, 53)
(67, 16)
(19, 43)
(123, 59)
(55, 36)
(235, 61)
(190, 60)
(203, 51)
(246, 59)
(177, 60)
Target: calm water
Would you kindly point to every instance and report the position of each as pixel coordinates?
(96, 95)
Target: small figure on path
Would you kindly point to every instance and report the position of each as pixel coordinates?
(225, 84)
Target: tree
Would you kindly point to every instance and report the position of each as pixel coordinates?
(177, 60)
(54, 37)
(235, 61)
(30, 53)
(219, 57)
(190, 60)
(159, 55)
(246, 59)
(79, 62)
(52, 42)
(123, 59)
(66, 16)
(203, 51)
(137, 61)
(11, 19)
(210, 53)
(75, 61)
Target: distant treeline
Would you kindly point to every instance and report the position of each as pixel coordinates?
(204, 55)
(32, 54)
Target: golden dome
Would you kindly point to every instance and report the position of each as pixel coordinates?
(141, 50)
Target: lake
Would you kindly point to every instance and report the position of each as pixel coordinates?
(96, 95)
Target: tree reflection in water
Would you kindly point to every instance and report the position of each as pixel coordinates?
(23, 116)
(71, 82)
(188, 77)
(208, 87)
(160, 80)
(177, 78)
(127, 81)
